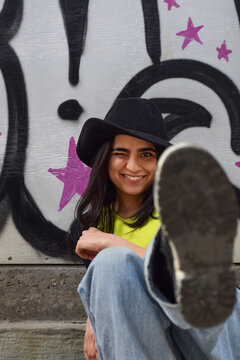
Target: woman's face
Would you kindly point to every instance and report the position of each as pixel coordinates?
(132, 165)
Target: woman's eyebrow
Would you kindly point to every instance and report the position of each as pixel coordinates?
(147, 149)
(120, 149)
(139, 150)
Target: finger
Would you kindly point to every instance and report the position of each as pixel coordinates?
(89, 356)
(87, 254)
(91, 255)
(92, 229)
(83, 232)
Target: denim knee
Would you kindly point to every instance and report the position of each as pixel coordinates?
(114, 255)
(112, 261)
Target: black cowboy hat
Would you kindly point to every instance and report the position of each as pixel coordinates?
(136, 117)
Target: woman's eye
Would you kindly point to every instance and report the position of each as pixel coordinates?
(118, 154)
(146, 154)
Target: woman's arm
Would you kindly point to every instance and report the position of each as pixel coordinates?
(93, 241)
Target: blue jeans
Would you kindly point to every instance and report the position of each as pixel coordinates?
(133, 321)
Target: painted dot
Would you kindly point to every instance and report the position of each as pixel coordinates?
(70, 110)
(10, 258)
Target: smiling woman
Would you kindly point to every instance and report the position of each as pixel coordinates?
(117, 206)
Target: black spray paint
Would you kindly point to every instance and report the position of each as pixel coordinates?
(29, 221)
(152, 29)
(205, 74)
(183, 114)
(237, 4)
(75, 20)
(70, 110)
(4, 212)
(10, 18)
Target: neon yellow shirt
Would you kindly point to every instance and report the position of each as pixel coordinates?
(141, 236)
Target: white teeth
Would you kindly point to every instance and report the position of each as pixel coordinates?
(134, 177)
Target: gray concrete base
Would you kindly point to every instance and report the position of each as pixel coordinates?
(41, 340)
(41, 293)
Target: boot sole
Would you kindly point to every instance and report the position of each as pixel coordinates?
(199, 213)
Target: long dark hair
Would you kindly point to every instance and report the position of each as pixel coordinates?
(95, 206)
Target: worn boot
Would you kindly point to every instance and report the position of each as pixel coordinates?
(198, 209)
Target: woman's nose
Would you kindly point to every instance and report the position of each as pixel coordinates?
(133, 164)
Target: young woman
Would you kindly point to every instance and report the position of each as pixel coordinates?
(116, 223)
(117, 207)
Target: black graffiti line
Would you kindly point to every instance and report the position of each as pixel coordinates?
(32, 225)
(183, 114)
(15, 154)
(10, 19)
(182, 107)
(29, 221)
(237, 5)
(4, 212)
(152, 29)
(75, 20)
(70, 110)
(223, 86)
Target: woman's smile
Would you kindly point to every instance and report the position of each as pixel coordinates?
(133, 178)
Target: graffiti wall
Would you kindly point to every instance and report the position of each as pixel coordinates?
(64, 61)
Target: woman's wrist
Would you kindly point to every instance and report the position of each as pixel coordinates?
(112, 240)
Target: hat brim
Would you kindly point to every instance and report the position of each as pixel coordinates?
(96, 131)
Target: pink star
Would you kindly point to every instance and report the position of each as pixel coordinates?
(190, 34)
(171, 3)
(237, 163)
(223, 52)
(0, 133)
(75, 176)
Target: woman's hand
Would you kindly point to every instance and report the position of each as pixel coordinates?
(90, 347)
(93, 240)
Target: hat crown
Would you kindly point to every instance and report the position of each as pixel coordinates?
(138, 114)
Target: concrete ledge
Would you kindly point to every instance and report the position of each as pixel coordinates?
(41, 340)
(44, 293)
(41, 293)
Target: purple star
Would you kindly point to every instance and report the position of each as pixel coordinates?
(223, 52)
(0, 133)
(238, 164)
(75, 176)
(171, 3)
(190, 34)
